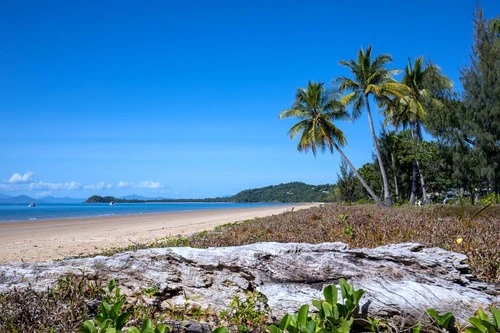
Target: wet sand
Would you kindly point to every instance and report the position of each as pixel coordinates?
(56, 239)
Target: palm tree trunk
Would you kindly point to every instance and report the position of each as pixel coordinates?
(387, 193)
(422, 182)
(396, 187)
(355, 171)
(413, 193)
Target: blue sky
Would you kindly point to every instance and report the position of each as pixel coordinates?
(180, 98)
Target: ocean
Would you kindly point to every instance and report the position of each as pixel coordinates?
(21, 212)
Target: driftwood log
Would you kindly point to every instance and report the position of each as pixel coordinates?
(401, 281)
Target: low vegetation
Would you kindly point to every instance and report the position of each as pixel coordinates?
(449, 227)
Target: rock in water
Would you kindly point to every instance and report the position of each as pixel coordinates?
(399, 280)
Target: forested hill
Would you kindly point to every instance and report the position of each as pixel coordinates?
(289, 192)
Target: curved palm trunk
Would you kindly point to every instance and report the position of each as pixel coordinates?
(355, 171)
(413, 193)
(422, 182)
(416, 136)
(387, 193)
(396, 187)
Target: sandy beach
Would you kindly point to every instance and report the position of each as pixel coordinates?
(57, 239)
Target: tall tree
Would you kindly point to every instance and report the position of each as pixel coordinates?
(370, 77)
(481, 81)
(317, 113)
(411, 110)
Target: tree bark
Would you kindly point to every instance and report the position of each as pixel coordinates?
(396, 187)
(413, 193)
(422, 182)
(355, 171)
(387, 193)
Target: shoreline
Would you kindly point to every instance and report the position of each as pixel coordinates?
(41, 240)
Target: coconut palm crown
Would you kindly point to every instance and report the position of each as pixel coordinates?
(370, 77)
(316, 112)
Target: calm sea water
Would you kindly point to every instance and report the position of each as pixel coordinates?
(21, 212)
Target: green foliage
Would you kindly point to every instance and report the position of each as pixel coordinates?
(481, 323)
(289, 192)
(110, 317)
(249, 314)
(444, 321)
(332, 316)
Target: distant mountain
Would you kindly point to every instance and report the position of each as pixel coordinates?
(20, 199)
(62, 200)
(139, 197)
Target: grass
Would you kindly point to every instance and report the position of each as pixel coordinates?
(369, 226)
(75, 298)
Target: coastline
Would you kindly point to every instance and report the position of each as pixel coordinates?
(43, 240)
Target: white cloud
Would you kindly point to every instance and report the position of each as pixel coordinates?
(43, 186)
(150, 184)
(98, 186)
(122, 184)
(17, 178)
(147, 184)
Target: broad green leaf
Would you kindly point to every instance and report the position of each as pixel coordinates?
(330, 293)
(88, 327)
(481, 315)
(285, 321)
(496, 316)
(274, 329)
(471, 329)
(133, 329)
(480, 324)
(147, 323)
(302, 316)
(122, 320)
(161, 328)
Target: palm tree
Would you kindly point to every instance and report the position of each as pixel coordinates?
(370, 78)
(410, 110)
(317, 112)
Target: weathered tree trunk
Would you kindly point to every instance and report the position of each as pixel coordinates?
(387, 193)
(401, 281)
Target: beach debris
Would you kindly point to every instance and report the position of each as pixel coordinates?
(400, 280)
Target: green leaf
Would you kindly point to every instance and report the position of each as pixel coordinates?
(330, 293)
(111, 285)
(88, 327)
(122, 320)
(274, 329)
(161, 328)
(221, 330)
(471, 329)
(345, 288)
(133, 329)
(481, 314)
(302, 316)
(285, 321)
(496, 316)
(417, 328)
(147, 323)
